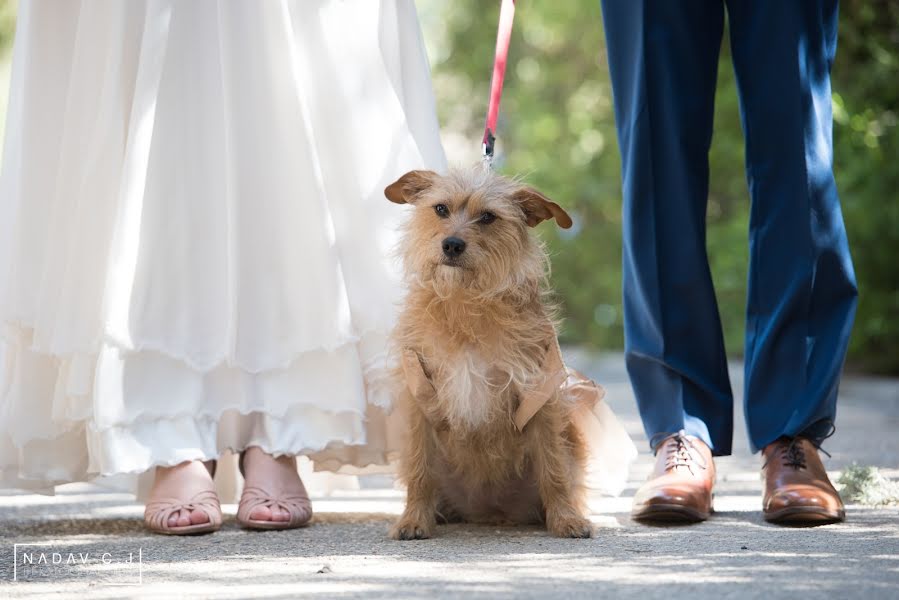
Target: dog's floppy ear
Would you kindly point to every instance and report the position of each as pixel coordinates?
(406, 188)
(538, 208)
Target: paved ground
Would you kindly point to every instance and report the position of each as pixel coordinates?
(347, 554)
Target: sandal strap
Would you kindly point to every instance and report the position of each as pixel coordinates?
(157, 512)
(297, 506)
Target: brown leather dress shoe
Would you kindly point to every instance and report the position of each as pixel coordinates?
(680, 487)
(797, 490)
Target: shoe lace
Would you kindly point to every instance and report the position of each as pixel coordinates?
(680, 451)
(793, 454)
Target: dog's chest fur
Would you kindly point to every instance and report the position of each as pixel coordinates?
(484, 470)
(475, 389)
(471, 388)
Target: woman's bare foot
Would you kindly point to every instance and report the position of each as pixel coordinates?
(182, 483)
(273, 491)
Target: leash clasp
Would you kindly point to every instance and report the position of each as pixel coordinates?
(487, 148)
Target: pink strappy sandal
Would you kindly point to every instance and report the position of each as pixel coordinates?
(157, 512)
(297, 506)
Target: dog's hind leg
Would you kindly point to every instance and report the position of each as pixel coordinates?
(559, 460)
(417, 471)
(447, 514)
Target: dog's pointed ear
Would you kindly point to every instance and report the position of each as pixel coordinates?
(538, 208)
(405, 189)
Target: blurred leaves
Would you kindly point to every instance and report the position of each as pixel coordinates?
(866, 153)
(7, 25)
(557, 129)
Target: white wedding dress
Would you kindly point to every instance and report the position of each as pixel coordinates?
(194, 241)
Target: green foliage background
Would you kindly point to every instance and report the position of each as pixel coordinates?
(557, 128)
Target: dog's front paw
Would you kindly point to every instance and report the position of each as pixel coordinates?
(408, 528)
(570, 527)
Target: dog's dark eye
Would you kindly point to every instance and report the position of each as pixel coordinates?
(487, 218)
(442, 211)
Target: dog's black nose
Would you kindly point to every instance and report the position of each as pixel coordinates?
(453, 247)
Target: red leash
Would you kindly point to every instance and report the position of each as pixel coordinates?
(503, 35)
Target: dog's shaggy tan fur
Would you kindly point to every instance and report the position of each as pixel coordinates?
(481, 326)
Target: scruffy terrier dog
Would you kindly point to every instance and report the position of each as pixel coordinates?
(491, 437)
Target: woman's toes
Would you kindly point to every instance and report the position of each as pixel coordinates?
(183, 518)
(279, 514)
(261, 513)
(198, 517)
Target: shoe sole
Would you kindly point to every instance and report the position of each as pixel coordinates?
(670, 513)
(799, 515)
(269, 525)
(200, 529)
